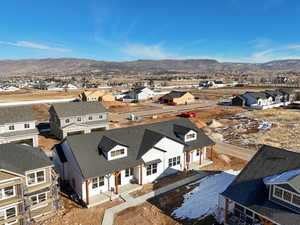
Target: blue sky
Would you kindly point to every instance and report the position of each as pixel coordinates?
(122, 30)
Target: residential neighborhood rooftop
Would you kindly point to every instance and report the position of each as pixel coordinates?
(15, 114)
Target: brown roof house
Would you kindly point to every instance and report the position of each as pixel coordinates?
(178, 97)
(102, 96)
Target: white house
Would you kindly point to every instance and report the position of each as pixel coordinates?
(101, 163)
(142, 93)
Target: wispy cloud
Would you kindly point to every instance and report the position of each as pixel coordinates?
(142, 51)
(27, 44)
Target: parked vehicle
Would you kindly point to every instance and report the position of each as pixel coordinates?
(188, 114)
(172, 103)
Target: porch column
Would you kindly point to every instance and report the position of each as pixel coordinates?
(187, 159)
(141, 174)
(211, 152)
(116, 174)
(87, 183)
(200, 155)
(225, 211)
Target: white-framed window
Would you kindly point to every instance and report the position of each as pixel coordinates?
(26, 125)
(100, 117)
(286, 196)
(78, 119)
(191, 136)
(128, 172)
(117, 152)
(11, 127)
(35, 199)
(67, 121)
(8, 213)
(90, 118)
(97, 182)
(7, 192)
(151, 169)
(174, 161)
(36, 177)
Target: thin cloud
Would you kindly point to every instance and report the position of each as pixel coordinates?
(27, 44)
(142, 51)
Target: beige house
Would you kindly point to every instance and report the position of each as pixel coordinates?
(178, 97)
(28, 185)
(88, 96)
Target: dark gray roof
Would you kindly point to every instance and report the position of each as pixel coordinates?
(177, 94)
(139, 89)
(21, 158)
(287, 91)
(181, 129)
(139, 140)
(77, 108)
(248, 188)
(273, 93)
(107, 143)
(257, 95)
(16, 114)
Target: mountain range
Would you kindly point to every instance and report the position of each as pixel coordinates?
(70, 66)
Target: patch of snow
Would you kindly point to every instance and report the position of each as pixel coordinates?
(203, 200)
(283, 177)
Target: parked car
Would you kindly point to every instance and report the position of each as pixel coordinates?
(172, 103)
(188, 114)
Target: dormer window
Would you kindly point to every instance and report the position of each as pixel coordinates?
(118, 152)
(26, 125)
(191, 136)
(11, 127)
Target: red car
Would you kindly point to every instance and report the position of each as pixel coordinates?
(172, 103)
(188, 114)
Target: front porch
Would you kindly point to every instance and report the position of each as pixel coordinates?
(110, 195)
(197, 158)
(197, 166)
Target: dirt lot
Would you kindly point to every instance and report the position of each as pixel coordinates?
(32, 95)
(73, 214)
(276, 127)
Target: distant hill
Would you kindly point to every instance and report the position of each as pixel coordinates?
(69, 66)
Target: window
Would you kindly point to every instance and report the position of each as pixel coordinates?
(11, 127)
(35, 177)
(151, 169)
(26, 125)
(8, 213)
(287, 196)
(128, 172)
(7, 192)
(38, 198)
(67, 120)
(278, 192)
(174, 161)
(117, 152)
(90, 117)
(78, 119)
(197, 153)
(100, 116)
(191, 136)
(97, 182)
(296, 200)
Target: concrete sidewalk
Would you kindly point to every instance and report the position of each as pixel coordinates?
(108, 218)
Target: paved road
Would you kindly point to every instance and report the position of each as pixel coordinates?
(232, 150)
(163, 109)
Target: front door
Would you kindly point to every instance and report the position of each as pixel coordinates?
(119, 179)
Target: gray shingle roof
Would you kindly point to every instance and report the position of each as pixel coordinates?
(16, 114)
(177, 94)
(77, 108)
(21, 158)
(248, 188)
(139, 140)
(257, 95)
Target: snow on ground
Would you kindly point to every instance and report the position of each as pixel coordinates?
(203, 200)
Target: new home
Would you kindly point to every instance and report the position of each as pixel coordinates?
(178, 97)
(267, 191)
(100, 96)
(17, 125)
(107, 163)
(77, 117)
(28, 185)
